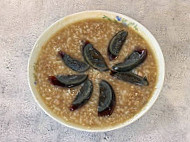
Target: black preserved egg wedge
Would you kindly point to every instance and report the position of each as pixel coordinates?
(136, 58)
(94, 58)
(107, 99)
(131, 78)
(73, 63)
(116, 44)
(68, 80)
(83, 96)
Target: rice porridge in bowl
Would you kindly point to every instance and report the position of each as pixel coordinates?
(95, 73)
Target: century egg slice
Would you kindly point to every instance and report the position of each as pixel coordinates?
(83, 96)
(94, 58)
(106, 99)
(136, 58)
(73, 63)
(68, 80)
(131, 78)
(116, 44)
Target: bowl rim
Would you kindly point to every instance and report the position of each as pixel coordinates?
(160, 79)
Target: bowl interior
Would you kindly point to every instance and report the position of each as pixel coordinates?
(96, 14)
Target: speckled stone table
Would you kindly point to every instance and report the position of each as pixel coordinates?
(22, 21)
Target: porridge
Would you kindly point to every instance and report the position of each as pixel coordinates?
(96, 73)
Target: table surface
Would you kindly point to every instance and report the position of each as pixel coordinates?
(21, 23)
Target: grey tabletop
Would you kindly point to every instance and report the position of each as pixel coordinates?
(21, 23)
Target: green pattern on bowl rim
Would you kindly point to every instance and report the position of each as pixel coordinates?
(122, 20)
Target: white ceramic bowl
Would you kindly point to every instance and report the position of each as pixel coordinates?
(96, 14)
